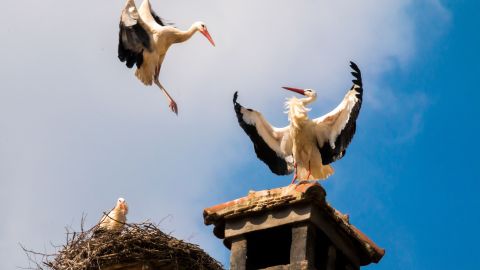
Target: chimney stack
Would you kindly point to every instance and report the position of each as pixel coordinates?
(292, 227)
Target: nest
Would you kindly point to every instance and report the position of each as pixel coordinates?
(137, 245)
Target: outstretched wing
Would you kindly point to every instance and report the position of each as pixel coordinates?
(335, 130)
(149, 16)
(159, 20)
(272, 145)
(134, 37)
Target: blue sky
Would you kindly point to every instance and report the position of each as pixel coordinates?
(78, 130)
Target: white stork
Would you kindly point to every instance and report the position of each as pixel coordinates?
(305, 146)
(115, 219)
(144, 40)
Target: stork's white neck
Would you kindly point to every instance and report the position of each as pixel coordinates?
(182, 36)
(297, 112)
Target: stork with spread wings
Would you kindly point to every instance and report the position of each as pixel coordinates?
(306, 146)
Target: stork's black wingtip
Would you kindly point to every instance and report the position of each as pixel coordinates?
(357, 82)
(235, 96)
(354, 66)
(356, 73)
(236, 105)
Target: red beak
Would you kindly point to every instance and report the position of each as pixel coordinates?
(207, 35)
(296, 90)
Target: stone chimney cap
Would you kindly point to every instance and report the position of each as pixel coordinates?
(257, 202)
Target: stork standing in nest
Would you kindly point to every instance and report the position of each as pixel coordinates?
(306, 146)
(115, 219)
(144, 39)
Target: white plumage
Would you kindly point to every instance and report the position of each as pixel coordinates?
(306, 147)
(116, 218)
(144, 40)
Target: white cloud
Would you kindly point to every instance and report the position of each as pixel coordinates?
(78, 130)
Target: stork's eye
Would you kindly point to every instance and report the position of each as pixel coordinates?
(203, 25)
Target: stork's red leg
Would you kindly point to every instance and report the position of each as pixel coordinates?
(172, 103)
(309, 171)
(295, 173)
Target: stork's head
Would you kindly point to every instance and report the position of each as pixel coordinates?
(296, 107)
(202, 28)
(122, 205)
(306, 92)
(310, 94)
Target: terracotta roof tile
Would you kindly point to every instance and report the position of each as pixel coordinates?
(266, 199)
(257, 201)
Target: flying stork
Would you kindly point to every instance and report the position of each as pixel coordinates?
(144, 39)
(306, 146)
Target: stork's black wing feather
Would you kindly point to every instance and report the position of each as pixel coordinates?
(277, 164)
(159, 20)
(133, 38)
(343, 139)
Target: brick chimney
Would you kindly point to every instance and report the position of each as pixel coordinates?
(292, 227)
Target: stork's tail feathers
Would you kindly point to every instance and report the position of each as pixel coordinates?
(325, 172)
(321, 172)
(145, 74)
